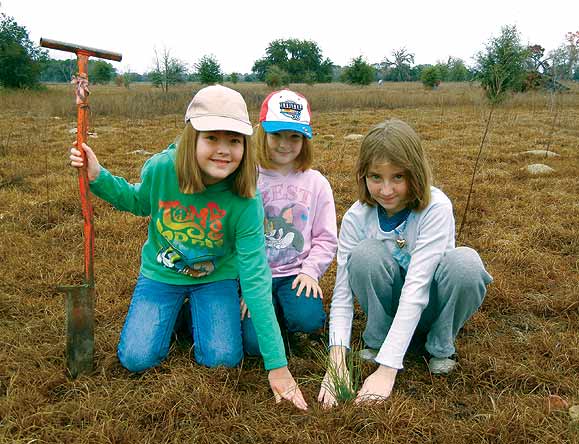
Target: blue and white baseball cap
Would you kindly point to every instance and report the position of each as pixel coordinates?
(286, 110)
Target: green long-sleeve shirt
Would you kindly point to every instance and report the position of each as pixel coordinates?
(201, 237)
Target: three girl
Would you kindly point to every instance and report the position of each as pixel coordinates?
(397, 256)
(205, 241)
(396, 249)
(300, 216)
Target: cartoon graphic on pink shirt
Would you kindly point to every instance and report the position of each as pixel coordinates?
(284, 240)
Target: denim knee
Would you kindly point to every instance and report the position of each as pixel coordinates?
(137, 362)
(308, 322)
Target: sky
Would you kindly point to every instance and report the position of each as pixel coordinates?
(238, 32)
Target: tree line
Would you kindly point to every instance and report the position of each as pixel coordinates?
(23, 64)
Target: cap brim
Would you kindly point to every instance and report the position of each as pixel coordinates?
(274, 127)
(219, 123)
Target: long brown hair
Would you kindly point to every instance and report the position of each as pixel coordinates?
(189, 174)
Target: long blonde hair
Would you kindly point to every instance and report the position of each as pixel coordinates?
(189, 174)
(303, 161)
(394, 141)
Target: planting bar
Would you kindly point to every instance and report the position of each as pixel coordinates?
(80, 299)
(79, 329)
(71, 47)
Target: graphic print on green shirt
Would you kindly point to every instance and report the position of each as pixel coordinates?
(193, 238)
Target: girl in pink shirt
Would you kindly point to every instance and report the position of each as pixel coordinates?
(300, 216)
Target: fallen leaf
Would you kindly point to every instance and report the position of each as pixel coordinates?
(555, 403)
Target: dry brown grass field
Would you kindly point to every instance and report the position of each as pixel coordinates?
(517, 351)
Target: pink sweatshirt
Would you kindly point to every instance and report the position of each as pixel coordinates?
(300, 222)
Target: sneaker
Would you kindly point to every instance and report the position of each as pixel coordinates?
(441, 366)
(368, 354)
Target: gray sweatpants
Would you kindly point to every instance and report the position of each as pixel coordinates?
(457, 291)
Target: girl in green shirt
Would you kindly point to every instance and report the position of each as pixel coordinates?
(205, 243)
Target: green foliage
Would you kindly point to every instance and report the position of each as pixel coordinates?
(457, 70)
(209, 70)
(249, 77)
(501, 67)
(124, 80)
(59, 70)
(302, 60)
(431, 77)
(101, 72)
(309, 78)
(454, 70)
(276, 77)
(234, 77)
(358, 72)
(167, 70)
(20, 60)
(443, 71)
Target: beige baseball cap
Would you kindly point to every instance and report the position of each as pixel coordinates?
(218, 108)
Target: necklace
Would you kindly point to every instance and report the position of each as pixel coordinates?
(401, 242)
(399, 230)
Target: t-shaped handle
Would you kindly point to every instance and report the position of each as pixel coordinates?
(71, 47)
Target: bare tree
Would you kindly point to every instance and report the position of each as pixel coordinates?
(167, 70)
(401, 62)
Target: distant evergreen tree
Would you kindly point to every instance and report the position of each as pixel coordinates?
(358, 72)
(431, 77)
(209, 70)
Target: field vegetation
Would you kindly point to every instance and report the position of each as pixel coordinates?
(518, 356)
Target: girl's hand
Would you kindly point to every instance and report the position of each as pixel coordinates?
(244, 309)
(284, 386)
(336, 373)
(378, 386)
(309, 283)
(327, 395)
(93, 167)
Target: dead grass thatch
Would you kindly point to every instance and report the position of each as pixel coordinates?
(521, 347)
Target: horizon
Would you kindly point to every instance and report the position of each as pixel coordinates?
(190, 33)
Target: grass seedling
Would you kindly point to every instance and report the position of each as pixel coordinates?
(343, 379)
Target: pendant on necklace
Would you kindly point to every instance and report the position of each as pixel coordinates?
(401, 243)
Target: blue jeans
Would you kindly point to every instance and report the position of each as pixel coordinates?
(295, 313)
(215, 315)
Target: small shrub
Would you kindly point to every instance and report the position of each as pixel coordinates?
(276, 77)
(431, 77)
(359, 72)
(501, 66)
(209, 70)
